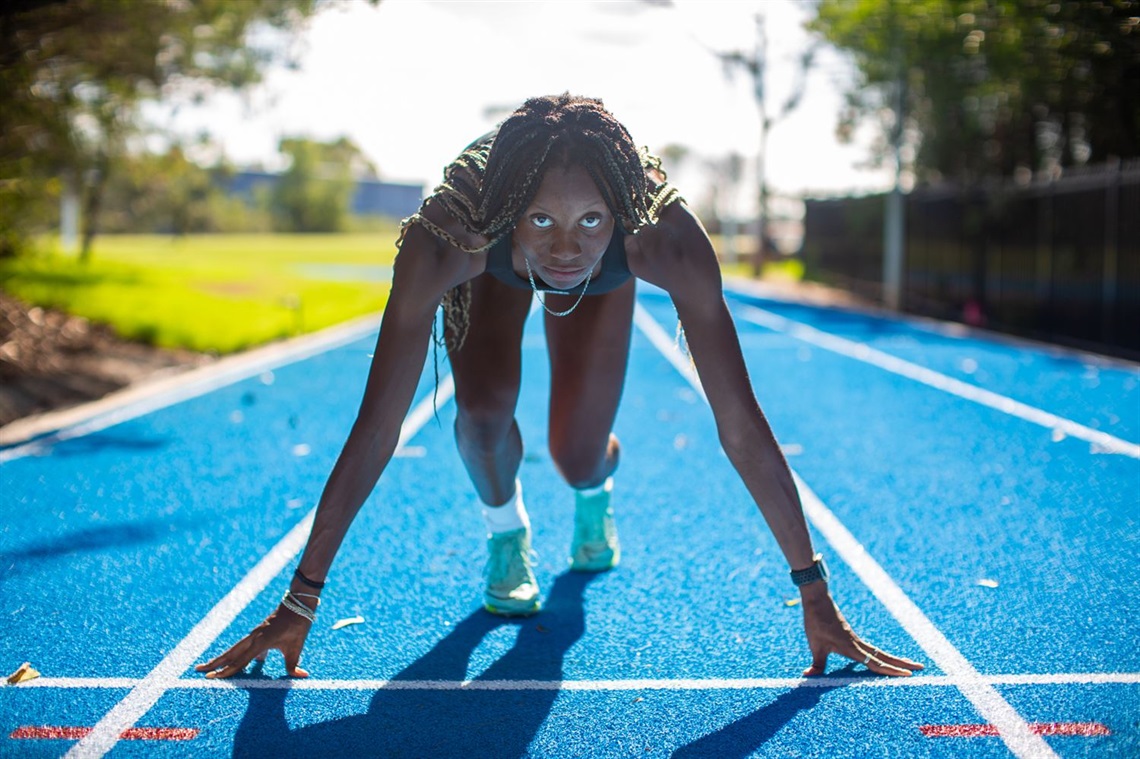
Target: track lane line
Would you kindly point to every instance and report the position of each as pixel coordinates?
(1015, 732)
(752, 683)
(865, 353)
(918, 681)
(165, 675)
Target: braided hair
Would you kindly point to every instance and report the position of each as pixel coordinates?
(493, 181)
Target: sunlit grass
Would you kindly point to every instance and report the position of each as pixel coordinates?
(225, 293)
(777, 268)
(218, 293)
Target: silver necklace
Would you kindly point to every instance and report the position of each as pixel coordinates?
(530, 276)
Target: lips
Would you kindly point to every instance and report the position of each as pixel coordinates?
(563, 278)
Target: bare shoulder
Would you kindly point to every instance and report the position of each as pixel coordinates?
(675, 254)
(426, 267)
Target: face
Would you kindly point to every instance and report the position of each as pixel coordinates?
(566, 228)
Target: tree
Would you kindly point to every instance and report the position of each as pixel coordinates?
(313, 195)
(994, 86)
(72, 73)
(755, 64)
(167, 193)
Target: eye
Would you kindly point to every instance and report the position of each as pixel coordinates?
(591, 222)
(540, 221)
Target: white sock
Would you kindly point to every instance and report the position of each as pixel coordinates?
(510, 516)
(605, 487)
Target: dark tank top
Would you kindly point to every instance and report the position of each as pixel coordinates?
(615, 270)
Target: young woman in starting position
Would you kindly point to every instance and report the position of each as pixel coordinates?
(558, 199)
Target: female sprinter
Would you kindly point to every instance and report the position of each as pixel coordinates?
(558, 199)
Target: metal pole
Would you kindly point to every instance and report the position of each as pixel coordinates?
(893, 248)
(893, 217)
(68, 215)
(1111, 255)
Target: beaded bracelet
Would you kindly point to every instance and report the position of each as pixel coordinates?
(290, 601)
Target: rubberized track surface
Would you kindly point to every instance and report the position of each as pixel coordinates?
(148, 540)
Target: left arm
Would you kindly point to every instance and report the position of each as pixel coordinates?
(678, 257)
(682, 262)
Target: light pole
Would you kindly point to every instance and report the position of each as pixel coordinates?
(755, 65)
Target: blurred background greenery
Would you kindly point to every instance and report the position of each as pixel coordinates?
(959, 97)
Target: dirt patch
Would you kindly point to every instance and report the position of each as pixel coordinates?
(50, 360)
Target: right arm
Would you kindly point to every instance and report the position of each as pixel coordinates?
(425, 269)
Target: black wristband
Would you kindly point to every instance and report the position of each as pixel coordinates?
(817, 571)
(306, 581)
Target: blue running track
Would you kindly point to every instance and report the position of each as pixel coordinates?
(978, 499)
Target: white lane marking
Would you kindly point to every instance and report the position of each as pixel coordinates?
(81, 682)
(1012, 728)
(752, 683)
(135, 402)
(146, 692)
(1060, 426)
(668, 348)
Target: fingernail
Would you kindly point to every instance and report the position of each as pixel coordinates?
(211, 675)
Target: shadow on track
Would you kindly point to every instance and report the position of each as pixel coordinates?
(747, 734)
(419, 722)
(121, 535)
(51, 444)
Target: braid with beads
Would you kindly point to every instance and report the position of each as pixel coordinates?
(491, 183)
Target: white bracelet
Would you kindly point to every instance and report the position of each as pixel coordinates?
(290, 602)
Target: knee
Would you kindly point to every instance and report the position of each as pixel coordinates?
(583, 465)
(483, 426)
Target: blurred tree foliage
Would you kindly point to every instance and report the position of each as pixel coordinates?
(314, 194)
(167, 193)
(72, 73)
(994, 86)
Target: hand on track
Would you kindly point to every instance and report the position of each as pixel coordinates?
(828, 632)
(282, 630)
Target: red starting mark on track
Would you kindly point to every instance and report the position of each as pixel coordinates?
(1084, 729)
(130, 734)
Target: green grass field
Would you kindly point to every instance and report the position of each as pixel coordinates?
(776, 268)
(217, 293)
(225, 293)
(780, 270)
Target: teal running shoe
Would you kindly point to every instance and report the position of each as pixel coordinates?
(595, 547)
(511, 590)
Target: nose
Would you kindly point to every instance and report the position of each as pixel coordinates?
(565, 247)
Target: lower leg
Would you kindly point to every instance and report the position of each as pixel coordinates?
(492, 458)
(583, 468)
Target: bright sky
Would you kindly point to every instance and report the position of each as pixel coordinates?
(413, 82)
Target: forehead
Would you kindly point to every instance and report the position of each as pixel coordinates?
(569, 185)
